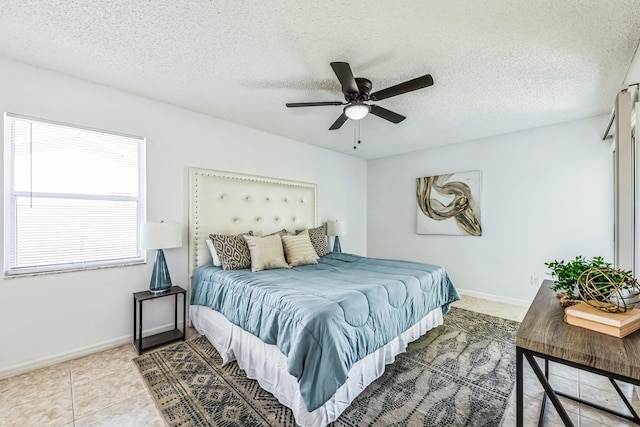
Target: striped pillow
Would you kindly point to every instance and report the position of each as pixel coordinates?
(318, 237)
(299, 250)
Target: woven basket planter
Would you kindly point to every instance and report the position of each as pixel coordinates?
(608, 289)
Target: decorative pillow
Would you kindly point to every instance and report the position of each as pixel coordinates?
(232, 250)
(266, 252)
(214, 254)
(299, 250)
(318, 237)
(282, 232)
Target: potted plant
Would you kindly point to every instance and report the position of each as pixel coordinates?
(566, 274)
(595, 282)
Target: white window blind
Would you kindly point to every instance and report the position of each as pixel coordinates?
(74, 197)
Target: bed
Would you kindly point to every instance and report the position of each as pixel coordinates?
(316, 335)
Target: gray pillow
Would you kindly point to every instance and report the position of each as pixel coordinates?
(318, 237)
(232, 250)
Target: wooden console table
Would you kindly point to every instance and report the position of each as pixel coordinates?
(544, 334)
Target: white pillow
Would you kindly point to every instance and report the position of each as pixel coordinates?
(299, 250)
(214, 254)
(266, 252)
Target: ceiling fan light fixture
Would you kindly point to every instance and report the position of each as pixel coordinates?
(356, 111)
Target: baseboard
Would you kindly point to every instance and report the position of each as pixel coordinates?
(74, 354)
(491, 297)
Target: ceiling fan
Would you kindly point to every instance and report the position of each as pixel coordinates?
(356, 91)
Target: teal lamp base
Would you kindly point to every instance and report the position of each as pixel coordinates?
(336, 245)
(160, 279)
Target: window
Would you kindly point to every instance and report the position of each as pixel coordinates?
(73, 197)
(626, 182)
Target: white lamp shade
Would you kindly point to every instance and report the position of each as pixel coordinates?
(161, 235)
(336, 228)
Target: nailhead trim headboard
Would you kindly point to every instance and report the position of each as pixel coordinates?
(232, 203)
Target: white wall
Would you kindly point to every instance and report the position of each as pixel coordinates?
(47, 318)
(546, 194)
(633, 74)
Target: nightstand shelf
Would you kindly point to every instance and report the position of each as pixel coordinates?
(145, 343)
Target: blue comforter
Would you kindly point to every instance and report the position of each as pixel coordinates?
(326, 317)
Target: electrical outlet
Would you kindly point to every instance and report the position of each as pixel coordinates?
(535, 281)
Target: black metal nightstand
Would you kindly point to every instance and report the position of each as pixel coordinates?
(155, 340)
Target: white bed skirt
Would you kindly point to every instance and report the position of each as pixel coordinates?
(266, 364)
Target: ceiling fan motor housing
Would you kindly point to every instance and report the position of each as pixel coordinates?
(364, 88)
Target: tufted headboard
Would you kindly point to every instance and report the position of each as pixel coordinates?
(232, 203)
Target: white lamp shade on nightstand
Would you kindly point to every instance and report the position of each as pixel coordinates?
(161, 235)
(336, 228)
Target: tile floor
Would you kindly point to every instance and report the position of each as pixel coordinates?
(105, 389)
(583, 384)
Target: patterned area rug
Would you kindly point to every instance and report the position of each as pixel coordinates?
(459, 374)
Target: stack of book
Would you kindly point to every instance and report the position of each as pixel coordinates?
(589, 317)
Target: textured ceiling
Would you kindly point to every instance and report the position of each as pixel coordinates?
(498, 65)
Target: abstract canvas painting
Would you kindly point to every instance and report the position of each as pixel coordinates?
(449, 204)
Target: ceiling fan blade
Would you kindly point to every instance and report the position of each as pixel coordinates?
(313, 104)
(338, 123)
(386, 114)
(399, 89)
(344, 74)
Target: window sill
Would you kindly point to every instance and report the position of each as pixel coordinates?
(71, 270)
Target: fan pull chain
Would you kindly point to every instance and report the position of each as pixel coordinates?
(356, 135)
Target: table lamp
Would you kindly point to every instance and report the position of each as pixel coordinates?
(336, 228)
(160, 235)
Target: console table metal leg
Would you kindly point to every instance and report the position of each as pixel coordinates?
(634, 414)
(549, 391)
(543, 407)
(519, 388)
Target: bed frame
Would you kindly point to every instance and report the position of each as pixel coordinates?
(230, 203)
